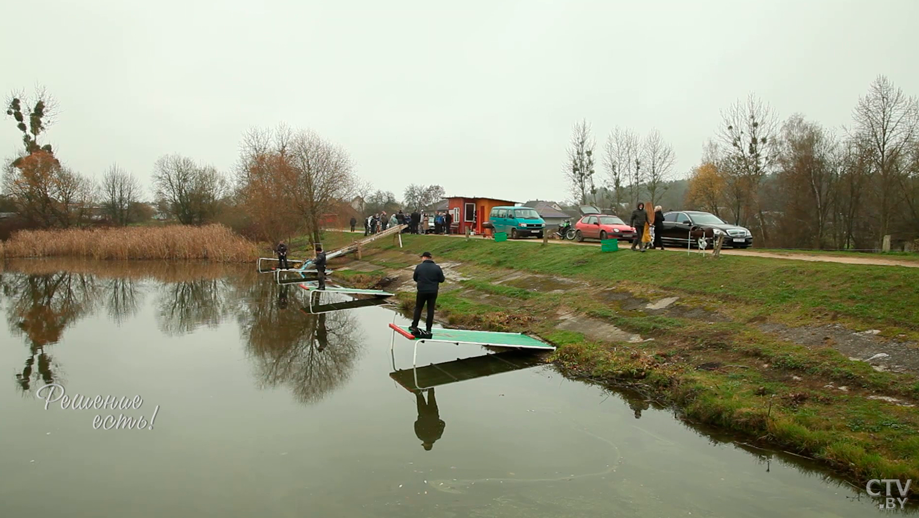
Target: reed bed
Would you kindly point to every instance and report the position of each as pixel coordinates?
(215, 243)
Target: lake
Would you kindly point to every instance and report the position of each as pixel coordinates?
(263, 408)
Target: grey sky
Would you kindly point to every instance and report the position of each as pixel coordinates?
(479, 97)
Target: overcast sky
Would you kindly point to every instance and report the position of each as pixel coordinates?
(480, 96)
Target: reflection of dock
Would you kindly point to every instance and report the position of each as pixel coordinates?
(340, 306)
(455, 371)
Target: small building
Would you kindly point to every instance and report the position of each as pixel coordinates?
(552, 213)
(472, 211)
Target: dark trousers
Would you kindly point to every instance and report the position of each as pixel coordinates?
(352, 227)
(320, 276)
(658, 238)
(639, 233)
(282, 261)
(420, 300)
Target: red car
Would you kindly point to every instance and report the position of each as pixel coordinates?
(602, 226)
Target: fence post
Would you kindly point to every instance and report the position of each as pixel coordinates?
(467, 233)
(359, 251)
(885, 247)
(545, 237)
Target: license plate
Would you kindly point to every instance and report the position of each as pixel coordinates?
(739, 240)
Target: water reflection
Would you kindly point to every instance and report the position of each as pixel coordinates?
(182, 307)
(429, 427)
(308, 353)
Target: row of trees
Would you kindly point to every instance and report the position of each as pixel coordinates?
(634, 167)
(801, 185)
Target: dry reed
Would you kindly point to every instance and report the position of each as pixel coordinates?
(175, 242)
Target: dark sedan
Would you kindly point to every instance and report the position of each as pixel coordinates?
(681, 226)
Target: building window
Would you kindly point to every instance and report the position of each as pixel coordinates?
(469, 212)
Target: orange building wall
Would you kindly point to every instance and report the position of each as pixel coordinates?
(483, 209)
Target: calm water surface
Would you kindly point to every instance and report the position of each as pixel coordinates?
(267, 410)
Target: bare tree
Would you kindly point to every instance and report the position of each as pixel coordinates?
(265, 175)
(658, 159)
(748, 144)
(807, 176)
(47, 194)
(323, 176)
(119, 195)
(887, 121)
(417, 197)
(192, 193)
(620, 155)
(579, 170)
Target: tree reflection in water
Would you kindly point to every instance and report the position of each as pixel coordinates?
(41, 307)
(310, 354)
(184, 306)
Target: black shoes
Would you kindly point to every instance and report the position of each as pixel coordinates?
(418, 333)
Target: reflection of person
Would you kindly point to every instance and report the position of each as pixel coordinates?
(322, 333)
(282, 297)
(320, 266)
(637, 403)
(428, 427)
(282, 256)
(428, 275)
(44, 368)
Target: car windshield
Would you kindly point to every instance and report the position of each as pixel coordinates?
(611, 220)
(706, 219)
(526, 214)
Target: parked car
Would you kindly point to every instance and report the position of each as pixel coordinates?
(517, 221)
(602, 226)
(679, 224)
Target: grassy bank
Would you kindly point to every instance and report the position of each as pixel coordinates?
(175, 242)
(708, 356)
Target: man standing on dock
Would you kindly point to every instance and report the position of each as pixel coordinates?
(428, 275)
(320, 266)
(282, 256)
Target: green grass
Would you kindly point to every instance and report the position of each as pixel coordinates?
(762, 387)
(878, 296)
(900, 256)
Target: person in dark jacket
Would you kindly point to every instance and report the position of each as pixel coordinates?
(448, 222)
(353, 223)
(416, 219)
(638, 220)
(658, 227)
(320, 266)
(428, 427)
(428, 275)
(282, 256)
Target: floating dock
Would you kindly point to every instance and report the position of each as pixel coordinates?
(435, 375)
(346, 291)
(462, 336)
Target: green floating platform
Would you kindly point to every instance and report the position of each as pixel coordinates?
(488, 338)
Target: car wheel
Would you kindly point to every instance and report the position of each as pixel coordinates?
(578, 236)
(602, 235)
(513, 233)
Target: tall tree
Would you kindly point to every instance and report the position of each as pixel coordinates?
(417, 197)
(706, 189)
(747, 136)
(620, 156)
(265, 175)
(191, 192)
(580, 168)
(32, 121)
(119, 195)
(659, 159)
(887, 121)
(324, 177)
(807, 179)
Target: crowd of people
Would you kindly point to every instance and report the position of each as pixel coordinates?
(417, 222)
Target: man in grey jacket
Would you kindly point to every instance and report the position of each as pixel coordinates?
(428, 275)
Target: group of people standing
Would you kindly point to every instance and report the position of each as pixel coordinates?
(649, 227)
(417, 222)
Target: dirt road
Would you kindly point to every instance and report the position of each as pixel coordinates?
(873, 261)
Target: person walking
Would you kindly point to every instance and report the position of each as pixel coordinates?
(320, 263)
(428, 276)
(638, 221)
(353, 223)
(658, 227)
(282, 256)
